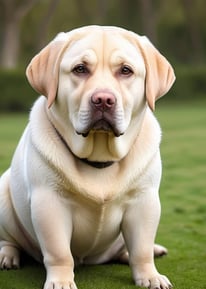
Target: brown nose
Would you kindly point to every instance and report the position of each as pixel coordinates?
(103, 100)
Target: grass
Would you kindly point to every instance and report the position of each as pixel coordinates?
(183, 224)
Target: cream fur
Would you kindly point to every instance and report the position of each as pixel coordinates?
(57, 207)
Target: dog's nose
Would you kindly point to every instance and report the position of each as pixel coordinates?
(103, 100)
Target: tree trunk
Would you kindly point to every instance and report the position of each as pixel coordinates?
(10, 47)
(12, 14)
(193, 29)
(44, 25)
(101, 11)
(148, 19)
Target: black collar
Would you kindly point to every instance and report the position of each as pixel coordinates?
(98, 165)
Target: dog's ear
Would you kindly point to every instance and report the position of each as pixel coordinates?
(43, 70)
(159, 73)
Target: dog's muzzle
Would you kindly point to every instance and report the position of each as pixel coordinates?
(103, 108)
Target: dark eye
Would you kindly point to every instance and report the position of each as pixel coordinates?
(126, 70)
(80, 69)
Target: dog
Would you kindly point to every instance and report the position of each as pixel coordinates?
(83, 183)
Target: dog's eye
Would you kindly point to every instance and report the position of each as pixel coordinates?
(125, 70)
(80, 69)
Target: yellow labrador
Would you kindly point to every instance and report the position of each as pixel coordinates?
(85, 176)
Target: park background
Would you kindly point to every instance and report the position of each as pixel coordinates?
(178, 30)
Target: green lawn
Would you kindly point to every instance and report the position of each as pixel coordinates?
(183, 196)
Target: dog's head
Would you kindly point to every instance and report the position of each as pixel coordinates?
(98, 82)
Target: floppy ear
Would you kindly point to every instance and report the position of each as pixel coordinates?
(159, 73)
(43, 70)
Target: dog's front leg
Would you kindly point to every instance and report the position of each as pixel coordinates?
(139, 229)
(52, 223)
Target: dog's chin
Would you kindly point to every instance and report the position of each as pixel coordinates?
(101, 126)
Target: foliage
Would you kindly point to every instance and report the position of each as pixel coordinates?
(16, 93)
(182, 227)
(190, 84)
(177, 27)
(172, 29)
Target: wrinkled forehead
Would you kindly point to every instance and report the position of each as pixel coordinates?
(104, 46)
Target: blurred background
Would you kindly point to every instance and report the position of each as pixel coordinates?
(177, 28)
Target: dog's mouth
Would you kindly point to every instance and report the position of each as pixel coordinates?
(105, 124)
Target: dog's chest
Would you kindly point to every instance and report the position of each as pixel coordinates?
(95, 227)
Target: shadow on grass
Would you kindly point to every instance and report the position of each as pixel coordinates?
(32, 275)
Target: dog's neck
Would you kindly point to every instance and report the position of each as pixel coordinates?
(94, 164)
(98, 165)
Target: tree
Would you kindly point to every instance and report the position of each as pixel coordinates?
(193, 29)
(44, 23)
(12, 13)
(148, 19)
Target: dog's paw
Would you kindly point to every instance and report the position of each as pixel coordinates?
(60, 277)
(60, 285)
(155, 282)
(9, 258)
(159, 250)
